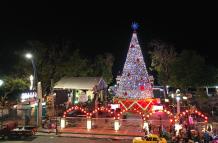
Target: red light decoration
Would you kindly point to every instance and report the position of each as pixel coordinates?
(88, 114)
(143, 105)
(165, 111)
(118, 115)
(171, 120)
(142, 87)
(188, 112)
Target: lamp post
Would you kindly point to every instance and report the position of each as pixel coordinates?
(1, 83)
(36, 86)
(178, 101)
(30, 56)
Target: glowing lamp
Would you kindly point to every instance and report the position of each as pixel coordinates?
(89, 123)
(177, 128)
(1, 82)
(116, 125)
(177, 98)
(63, 123)
(145, 126)
(184, 98)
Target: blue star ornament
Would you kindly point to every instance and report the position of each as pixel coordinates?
(135, 26)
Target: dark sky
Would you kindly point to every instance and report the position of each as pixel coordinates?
(106, 27)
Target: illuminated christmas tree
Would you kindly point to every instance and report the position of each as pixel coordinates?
(134, 81)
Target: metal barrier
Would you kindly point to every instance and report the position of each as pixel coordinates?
(134, 125)
(76, 122)
(106, 123)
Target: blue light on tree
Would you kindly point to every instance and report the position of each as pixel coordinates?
(135, 26)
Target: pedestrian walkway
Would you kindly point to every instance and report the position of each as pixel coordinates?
(102, 132)
(96, 136)
(88, 134)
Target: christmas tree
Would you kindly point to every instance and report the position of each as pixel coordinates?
(134, 81)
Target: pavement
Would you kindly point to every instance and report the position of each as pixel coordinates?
(55, 139)
(118, 136)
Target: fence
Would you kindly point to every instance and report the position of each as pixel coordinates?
(76, 122)
(132, 125)
(103, 123)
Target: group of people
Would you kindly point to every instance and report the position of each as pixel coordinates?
(186, 135)
(47, 124)
(192, 136)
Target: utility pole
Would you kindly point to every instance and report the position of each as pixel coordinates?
(39, 94)
(56, 126)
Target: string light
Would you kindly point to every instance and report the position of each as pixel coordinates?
(134, 81)
(188, 112)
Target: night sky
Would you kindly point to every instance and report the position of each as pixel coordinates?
(102, 27)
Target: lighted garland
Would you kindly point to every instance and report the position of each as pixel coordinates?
(134, 82)
(188, 112)
(165, 111)
(102, 109)
(118, 115)
(88, 114)
(76, 108)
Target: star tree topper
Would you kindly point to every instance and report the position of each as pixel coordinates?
(135, 26)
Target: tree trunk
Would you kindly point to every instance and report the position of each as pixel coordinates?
(165, 91)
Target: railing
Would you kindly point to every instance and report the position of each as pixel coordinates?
(77, 122)
(106, 123)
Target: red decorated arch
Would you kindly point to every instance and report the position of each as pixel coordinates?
(186, 113)
(119, 114)
(87, 113)
(168, 113)
(83, 110)
(102, 109)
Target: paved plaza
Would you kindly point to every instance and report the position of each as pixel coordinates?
(54, 139)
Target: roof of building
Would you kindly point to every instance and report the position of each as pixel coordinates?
(77, 82)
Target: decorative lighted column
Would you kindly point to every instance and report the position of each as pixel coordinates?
(178, 101)
(89, 123)
(116, 125)
(31, 82)
(63, 123)
(177, 128)
(145, 126)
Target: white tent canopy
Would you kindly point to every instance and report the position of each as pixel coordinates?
(78, 83)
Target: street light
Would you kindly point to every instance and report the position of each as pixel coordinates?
(36, 86)
(1, 82)
(30, 56)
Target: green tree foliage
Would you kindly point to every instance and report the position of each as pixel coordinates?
(190, 70)
(162, 55)
(103, 66)
(76, 66)
(11, 86)
(46, 57)
(57, 59)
